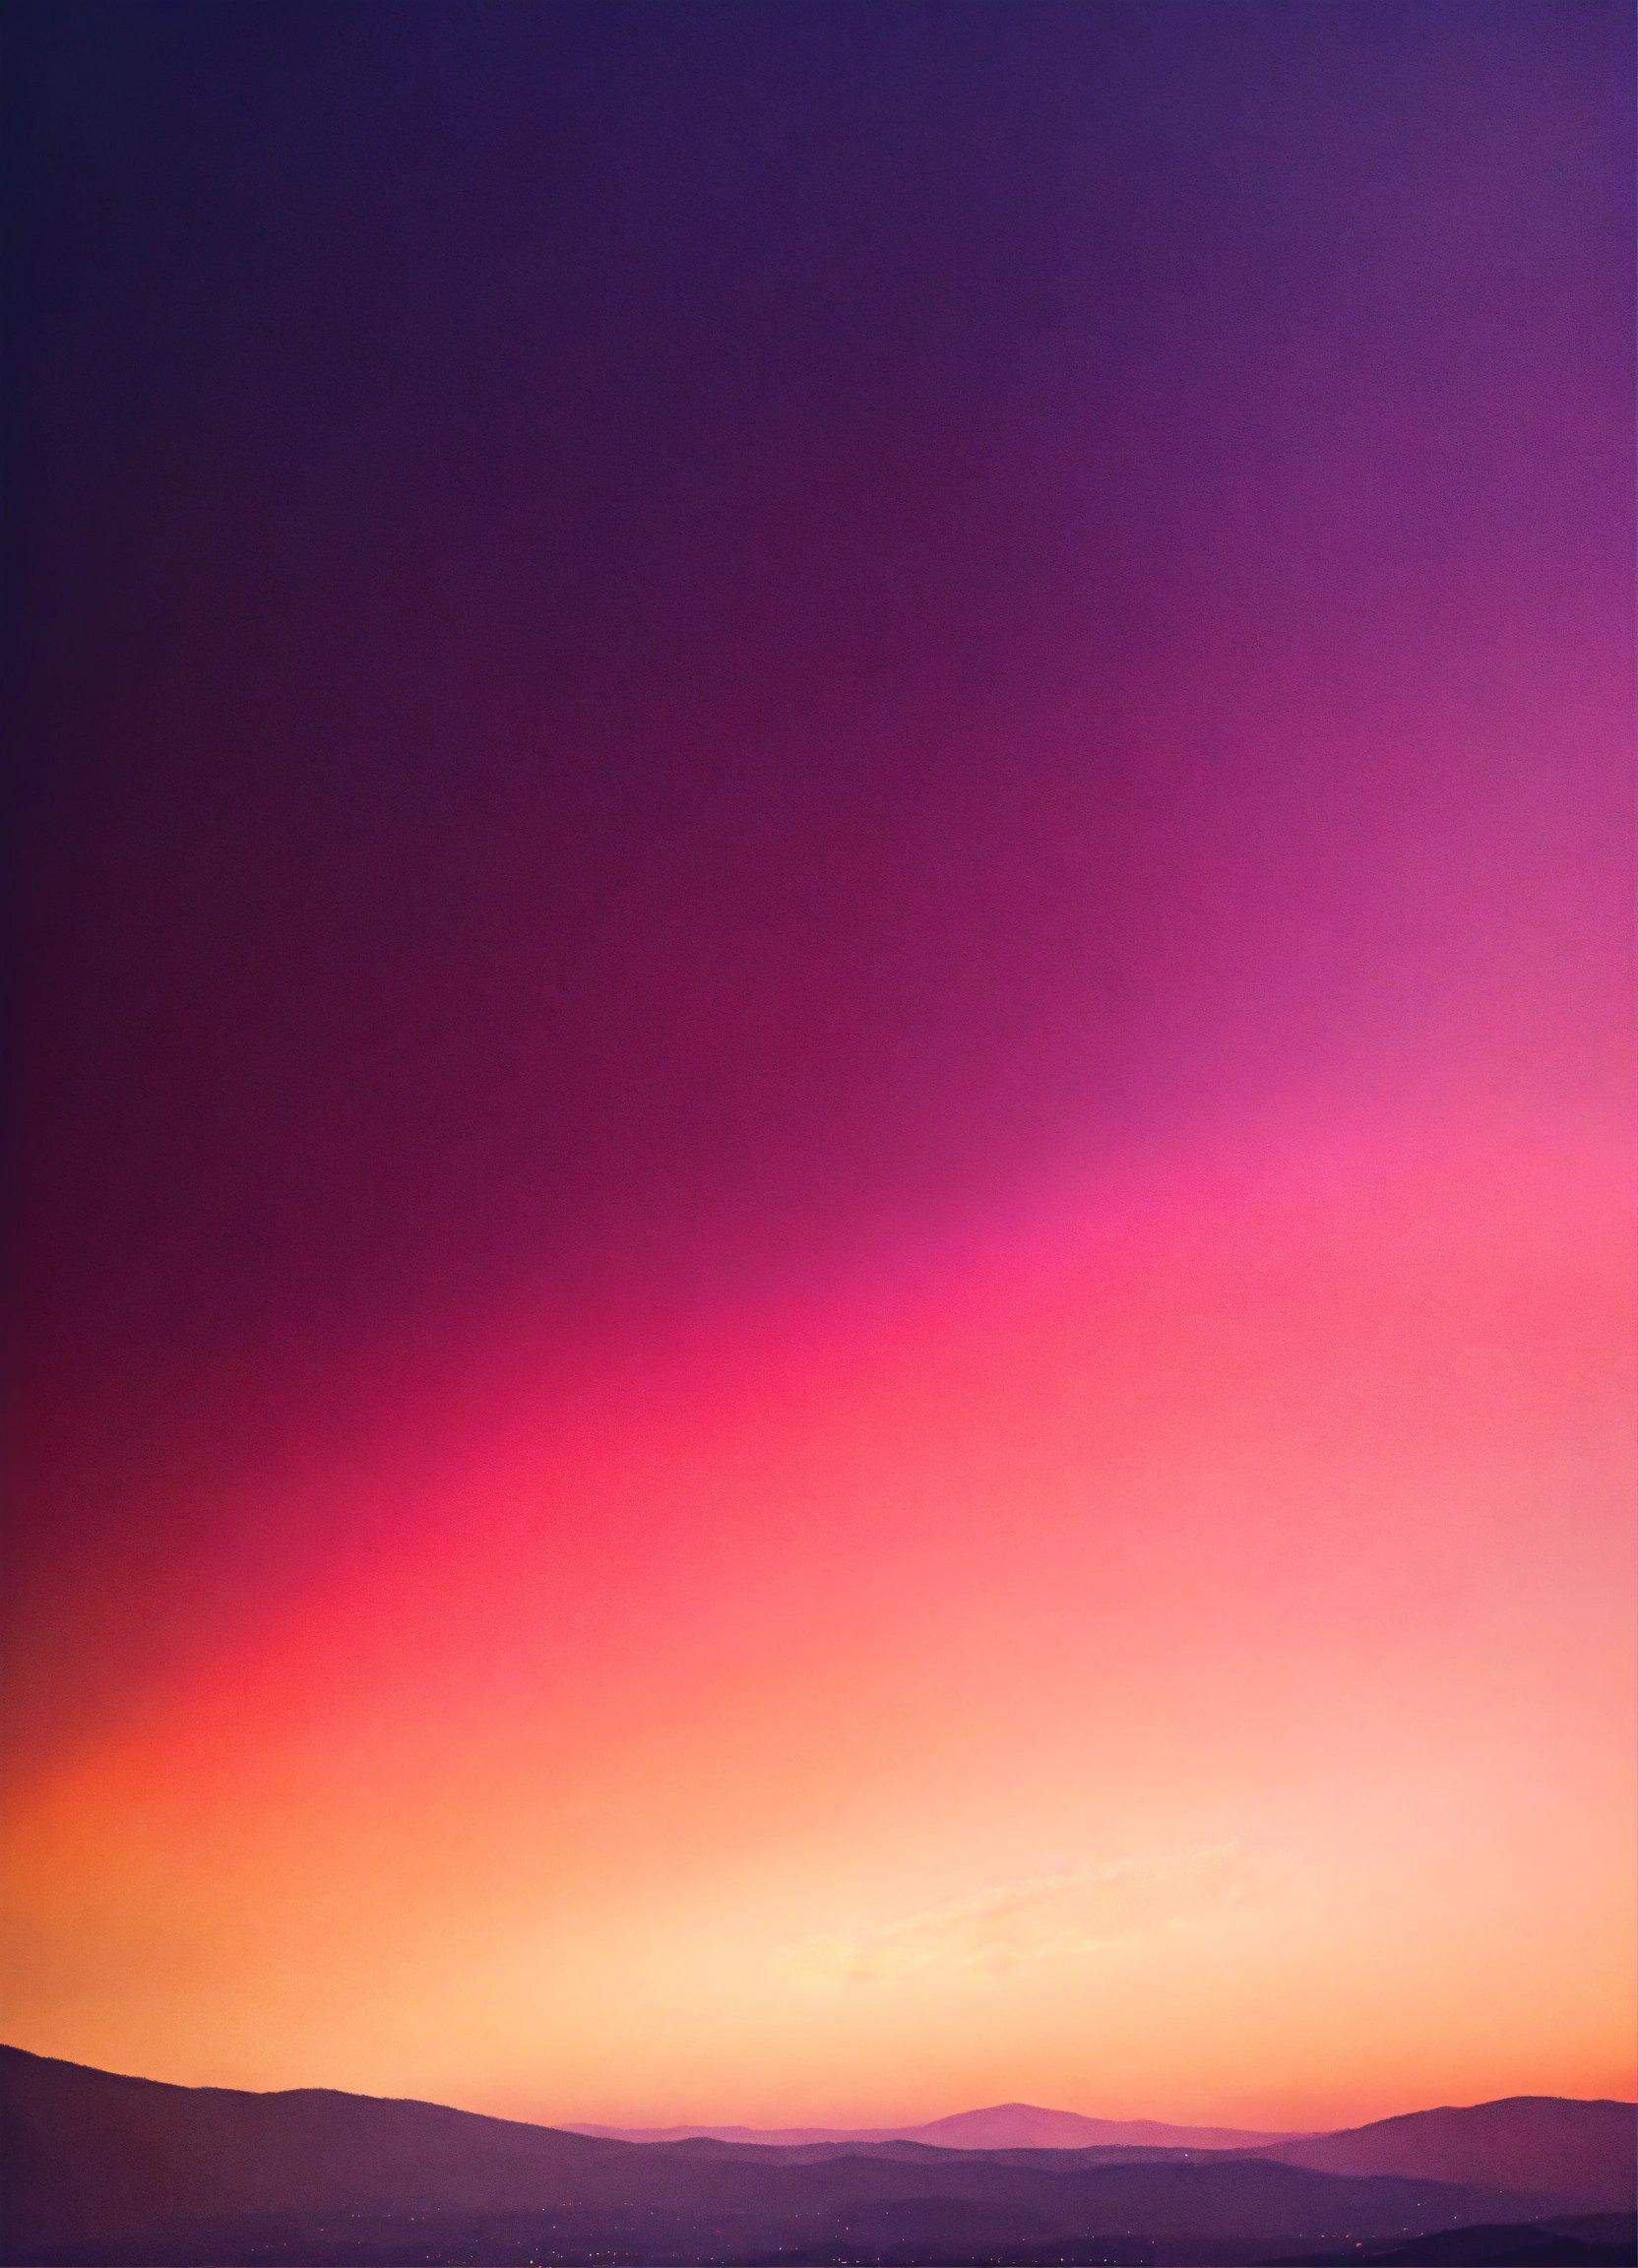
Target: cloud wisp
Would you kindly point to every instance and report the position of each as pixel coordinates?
(1008, 1926)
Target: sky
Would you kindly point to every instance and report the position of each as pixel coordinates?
(823, 1165)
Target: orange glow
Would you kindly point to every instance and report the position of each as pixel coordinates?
(1172, 1656)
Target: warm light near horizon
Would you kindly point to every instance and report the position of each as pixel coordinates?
(1070, 1680)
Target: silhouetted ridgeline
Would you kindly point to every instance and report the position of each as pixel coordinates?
(1000, 2127)
(98, 2169)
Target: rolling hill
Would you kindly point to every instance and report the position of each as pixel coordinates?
(1585, 2150)
(96, 2167)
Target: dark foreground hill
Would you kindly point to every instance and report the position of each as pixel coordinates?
(1590, 2240)
(98, 2169)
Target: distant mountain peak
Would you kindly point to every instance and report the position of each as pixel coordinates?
(992, 2126)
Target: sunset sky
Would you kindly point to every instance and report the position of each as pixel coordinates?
(824, 1254)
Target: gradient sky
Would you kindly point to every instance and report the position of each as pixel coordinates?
(824, 1254)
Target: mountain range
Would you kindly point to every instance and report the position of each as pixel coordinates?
(1002, 2126)
(100, 2169)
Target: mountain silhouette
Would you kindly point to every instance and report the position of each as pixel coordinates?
(96, 2167)
(1000, 2127)
(1539, 2142)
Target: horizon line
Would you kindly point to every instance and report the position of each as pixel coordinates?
(705, 2129)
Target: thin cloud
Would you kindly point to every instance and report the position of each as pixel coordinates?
(1041, 1917)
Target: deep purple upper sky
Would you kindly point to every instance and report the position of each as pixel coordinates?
(656, 635)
